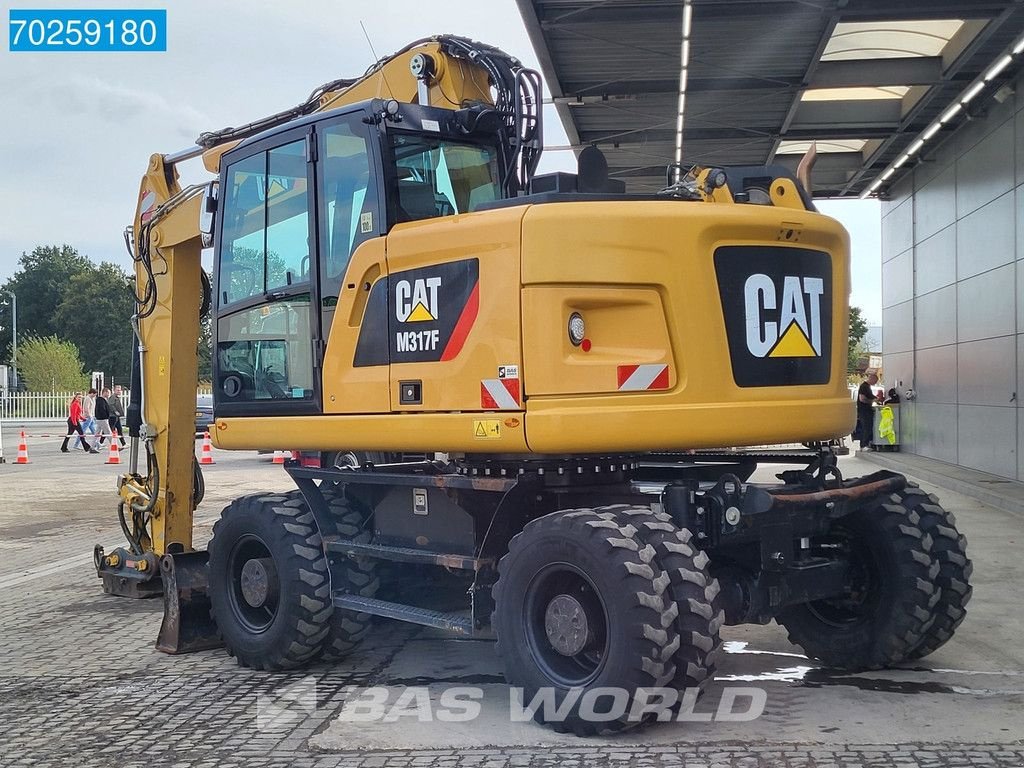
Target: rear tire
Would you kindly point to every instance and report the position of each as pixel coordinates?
(893, 597)
(581, 603)
(691, 587)
(949, 550)
(269, 587)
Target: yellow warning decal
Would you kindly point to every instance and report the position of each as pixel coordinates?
(793, 343)
(420, 314)
(487, 429)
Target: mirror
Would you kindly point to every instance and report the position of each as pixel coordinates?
(207, 211)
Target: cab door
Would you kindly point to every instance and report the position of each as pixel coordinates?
(266, 326)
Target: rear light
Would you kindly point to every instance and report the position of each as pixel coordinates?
(577, 329)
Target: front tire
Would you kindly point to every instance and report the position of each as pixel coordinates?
(355, 576)
(269, 586)
(892, 595)
(580, 603)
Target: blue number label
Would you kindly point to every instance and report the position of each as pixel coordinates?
(87, 30)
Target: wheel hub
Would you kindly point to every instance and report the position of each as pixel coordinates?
(259, 581)
(566, 626)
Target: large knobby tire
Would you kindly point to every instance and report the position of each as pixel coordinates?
(949, 550)
(691, 587)
(354, 576)
(893, 597)
(581, 602)
(269, 586)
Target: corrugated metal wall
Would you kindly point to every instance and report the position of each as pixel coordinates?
(953, 294)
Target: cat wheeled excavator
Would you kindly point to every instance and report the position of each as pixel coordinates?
(535, 374)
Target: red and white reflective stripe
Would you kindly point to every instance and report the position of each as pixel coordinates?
(499, 394)
(148, 205)
(634, 378)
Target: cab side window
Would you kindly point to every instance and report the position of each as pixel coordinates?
(265, 242)
(243, 245)
(287, 216)
(348, 198)
(437, 177)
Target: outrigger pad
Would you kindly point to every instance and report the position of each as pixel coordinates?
(187, 625)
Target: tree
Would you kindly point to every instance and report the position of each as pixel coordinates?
(855, 335)
(204, 349)
(47, 363)
(95, 314)
(41, 284)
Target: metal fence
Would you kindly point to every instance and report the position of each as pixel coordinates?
(34, 406)
(26, 407)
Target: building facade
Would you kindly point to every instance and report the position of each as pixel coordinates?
(953, 293)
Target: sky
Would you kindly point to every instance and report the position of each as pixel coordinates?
(78, 128)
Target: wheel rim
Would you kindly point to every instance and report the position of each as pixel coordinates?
(864, 594)
(254, 591)
(566, 625)
(347, 460)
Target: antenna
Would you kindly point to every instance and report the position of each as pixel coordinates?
(375, 58)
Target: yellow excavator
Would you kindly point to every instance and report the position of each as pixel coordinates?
(533, 376)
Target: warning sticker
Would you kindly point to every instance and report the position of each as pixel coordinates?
(508, 371)
(486, 429)
(147, 205)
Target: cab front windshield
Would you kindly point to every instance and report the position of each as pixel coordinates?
(441, 177)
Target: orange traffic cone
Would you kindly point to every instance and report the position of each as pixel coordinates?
(114, 457)
(206, 454)
(22, 450)
(278, 457)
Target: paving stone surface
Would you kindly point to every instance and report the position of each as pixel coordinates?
(81, 684)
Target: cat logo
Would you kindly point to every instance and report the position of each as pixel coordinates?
(416, 302)
(777, 307)
(787, 328)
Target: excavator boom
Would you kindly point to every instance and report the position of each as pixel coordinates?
(164, 484)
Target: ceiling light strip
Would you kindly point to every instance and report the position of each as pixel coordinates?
(684, 64)
(965, 97)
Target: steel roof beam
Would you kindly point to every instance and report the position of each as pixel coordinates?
(824, 116)
(529, 14)
(697, 83)
(914, 70)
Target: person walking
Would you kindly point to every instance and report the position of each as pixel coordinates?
(116, 406)
(102, 414)
(88, 416)
(75, 425)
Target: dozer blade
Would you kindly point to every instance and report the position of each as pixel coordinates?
(188, 625)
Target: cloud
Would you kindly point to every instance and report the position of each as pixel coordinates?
(114, 102)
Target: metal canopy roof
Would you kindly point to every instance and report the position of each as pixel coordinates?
(764, 77)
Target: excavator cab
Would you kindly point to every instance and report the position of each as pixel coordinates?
(297, 203)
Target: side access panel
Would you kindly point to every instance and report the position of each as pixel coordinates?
(454, 313)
